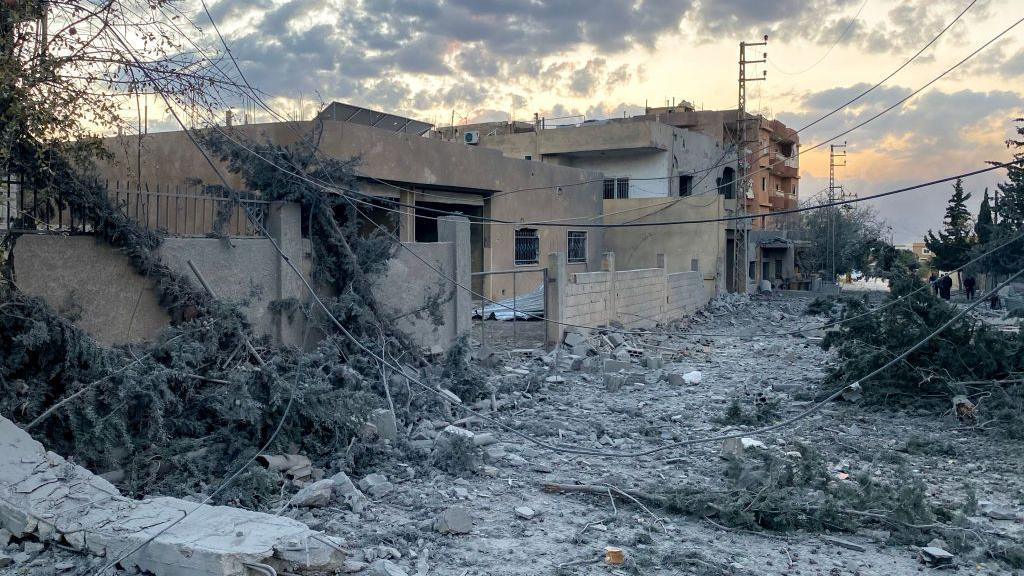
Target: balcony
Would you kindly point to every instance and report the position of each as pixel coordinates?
(785, 166)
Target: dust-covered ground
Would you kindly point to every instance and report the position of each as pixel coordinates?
(515, 527)
(568, 533)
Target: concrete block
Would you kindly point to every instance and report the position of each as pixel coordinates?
(187, 538)
(612, 366)
(614, 382)
(385, 422)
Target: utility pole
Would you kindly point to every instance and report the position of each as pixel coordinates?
(835, 192)
(740, 255)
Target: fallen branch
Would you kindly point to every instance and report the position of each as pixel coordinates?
(602, 490)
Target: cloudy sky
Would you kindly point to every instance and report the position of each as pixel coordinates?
(498, 59)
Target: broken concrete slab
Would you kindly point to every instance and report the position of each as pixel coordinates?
(43, 495)
(454, 520)
(376, 485)
(385, 568)
(384, 420)
(315, 495)
(353, 497)
(934, 556)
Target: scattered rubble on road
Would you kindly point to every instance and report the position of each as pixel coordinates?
(477, 496)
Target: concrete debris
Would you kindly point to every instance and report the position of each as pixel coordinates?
(693, 377)
(5, 560)
(934, 556)
(654, 362)
(44, 496)
(385, 568)
(353, 498)
(454, 520)
(384, 420)
(613, 366)
(615, 339)
(614, 382)
(525, 512)
(353, 566)
(484, 439)
(733, 448)
(573, 339)
(376, 485)
(315, 495)
(844, 543)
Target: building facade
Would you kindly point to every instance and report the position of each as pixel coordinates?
(427, 176)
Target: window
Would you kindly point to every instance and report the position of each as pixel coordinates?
(694, 265)
(622, 187)
(764, 184)
(528, 157)
(685, 184)
(616, 188)
(577, 241)
(725, 183)
(527, 246)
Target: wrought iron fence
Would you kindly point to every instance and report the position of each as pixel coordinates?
(181, 210)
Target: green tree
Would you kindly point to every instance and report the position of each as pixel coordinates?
(952, 246)
(1008, 216)
(983, 227)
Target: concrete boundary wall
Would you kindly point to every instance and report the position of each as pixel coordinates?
(95, 285)
(636, 298)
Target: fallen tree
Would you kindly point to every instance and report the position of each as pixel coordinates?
(970, 359)
(177, 415)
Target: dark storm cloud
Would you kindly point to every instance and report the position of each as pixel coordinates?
(313, 44)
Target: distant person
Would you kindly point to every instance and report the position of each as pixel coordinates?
(934, 281)
(993, 301)
(945, 285)
(969, 285)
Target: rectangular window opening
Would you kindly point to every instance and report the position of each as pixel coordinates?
(609, 188)
(577, 244)
(685, 184)
(527, 246)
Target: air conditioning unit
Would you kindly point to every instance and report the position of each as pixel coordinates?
(471, 137)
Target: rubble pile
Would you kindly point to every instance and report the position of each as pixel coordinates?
(432, 489)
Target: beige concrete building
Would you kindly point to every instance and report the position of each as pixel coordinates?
(398, 162)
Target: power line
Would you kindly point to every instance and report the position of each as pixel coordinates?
(845, 104)
(846, 31)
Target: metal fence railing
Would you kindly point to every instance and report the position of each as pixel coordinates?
(189, 210)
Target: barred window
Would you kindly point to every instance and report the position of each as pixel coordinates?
(527, 246)
(577, 240)
(616, 188)
(622, 188)
(609, 188)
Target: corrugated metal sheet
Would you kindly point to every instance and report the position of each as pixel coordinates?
(523, 306)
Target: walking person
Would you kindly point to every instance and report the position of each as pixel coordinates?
(969, 285)
(945, 285)
(934, 281)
